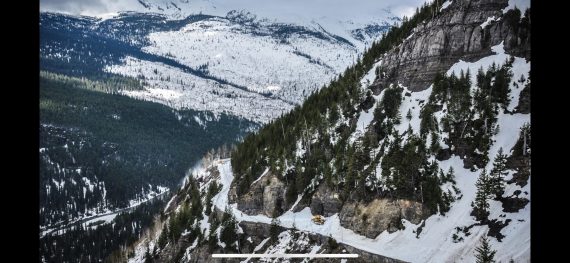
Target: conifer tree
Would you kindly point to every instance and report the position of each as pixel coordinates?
(213, 189)
(484, 252)
(525, 134)
(351, 171)
(228, 234)
(434, 144)
(291, 192)
(498, 174)
(332, 243)
(163, 238)
(274, 230)
(481, 205)
(501, 90)
(327, 173)
(147, 256)
(450, 176)
(174, 227)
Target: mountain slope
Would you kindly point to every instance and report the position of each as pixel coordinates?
(101, 153)
(400, 172)
(232, 63)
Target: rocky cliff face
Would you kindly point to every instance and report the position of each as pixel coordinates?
(458, 32)
(265, 196)
(371, 219)
(325, 201)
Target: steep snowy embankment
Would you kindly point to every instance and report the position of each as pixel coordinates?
(435, 242)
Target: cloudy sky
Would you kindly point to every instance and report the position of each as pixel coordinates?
(341, 9)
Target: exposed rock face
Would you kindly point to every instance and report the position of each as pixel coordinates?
(381, 214)
(274, 197)
(513, 204)
(266, 196)
(455, 34)
(257, 229)
(325, 201)
(251, 203)
(367, 103)
(443, 154)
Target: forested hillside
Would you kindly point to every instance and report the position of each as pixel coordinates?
(101, 151)
(321, 127)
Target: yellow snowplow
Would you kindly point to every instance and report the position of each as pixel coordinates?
(318, 219)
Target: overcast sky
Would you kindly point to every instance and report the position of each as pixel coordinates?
(334, 8)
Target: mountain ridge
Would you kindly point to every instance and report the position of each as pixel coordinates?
(406, 185)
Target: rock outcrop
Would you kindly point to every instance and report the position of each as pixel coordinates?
(373, 218)
(455, 33)
(325, 201)
(265, 196)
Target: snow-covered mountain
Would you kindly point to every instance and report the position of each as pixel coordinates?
(268, 67)
(221, 67)
(338, 17)
(234, 63)
(394, 154)
(414, 155)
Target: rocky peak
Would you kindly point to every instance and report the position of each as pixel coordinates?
(466, 29)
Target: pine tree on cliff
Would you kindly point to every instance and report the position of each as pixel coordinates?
(481, 205)
(147, 256)
(484, 252)
(501, 90)
(498, 173)
(229, 232)
(163, 238)
(274, 230)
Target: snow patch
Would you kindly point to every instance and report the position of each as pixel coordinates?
(520, 4)
(370, 75)
(445, 5)
(262, 174)
(489, 20)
